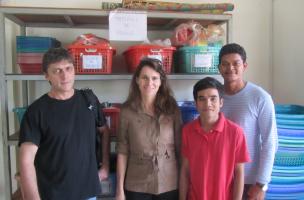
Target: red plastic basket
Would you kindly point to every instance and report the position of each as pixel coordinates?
(112, 116)
(31, 68)
(134, 54)
(30, 63)
(92, 59)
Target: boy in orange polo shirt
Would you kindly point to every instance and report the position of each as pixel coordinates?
(213, 149)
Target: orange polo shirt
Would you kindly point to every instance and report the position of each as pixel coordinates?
(212, 158)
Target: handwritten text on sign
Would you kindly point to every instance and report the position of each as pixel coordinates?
(128, 26)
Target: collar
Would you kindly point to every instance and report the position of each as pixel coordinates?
(217, 128)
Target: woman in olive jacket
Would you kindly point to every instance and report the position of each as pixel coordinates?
(149, 137)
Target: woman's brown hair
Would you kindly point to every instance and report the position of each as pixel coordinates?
(164, 102)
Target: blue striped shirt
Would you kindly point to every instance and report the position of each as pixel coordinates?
(253, 109)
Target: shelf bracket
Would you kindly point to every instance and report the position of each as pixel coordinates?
(15, 19)
(69, 20)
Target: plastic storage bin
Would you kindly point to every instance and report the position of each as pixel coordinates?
(92, 59)
(34, 44)
(112, 117)
(20, 112)
(198, 59)
(30, 63)
(108, 187)
(134, 54)
(188, 111)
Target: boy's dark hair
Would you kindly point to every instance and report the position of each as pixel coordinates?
(232, 48)
(54, 55)
(207, 83)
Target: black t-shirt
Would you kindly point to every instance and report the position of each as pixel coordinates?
(65, 133)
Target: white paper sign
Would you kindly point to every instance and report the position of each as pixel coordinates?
(92, 62)
(128, 26)
(203, 60)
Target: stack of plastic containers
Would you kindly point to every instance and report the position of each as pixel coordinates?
(30, 50)
(287, 180)
(188, 111)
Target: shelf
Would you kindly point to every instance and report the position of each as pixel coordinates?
(27, 17)
(27, 77)
(13, 139)
(94, 18)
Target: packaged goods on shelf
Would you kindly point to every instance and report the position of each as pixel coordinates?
(92, 55)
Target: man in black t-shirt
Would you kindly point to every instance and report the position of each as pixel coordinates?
(57, 138)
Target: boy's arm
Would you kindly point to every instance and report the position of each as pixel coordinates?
(238, 184)
(28, 177)
(184, 179)
(104, 170)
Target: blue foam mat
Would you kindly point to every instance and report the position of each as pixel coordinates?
(286, 180)
(291, 132)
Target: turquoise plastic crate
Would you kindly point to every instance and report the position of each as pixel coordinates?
(289, 111)
(197, 59)
(20, 112)
(289, 158)
(35, 44)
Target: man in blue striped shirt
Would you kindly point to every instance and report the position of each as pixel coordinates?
(252, 108)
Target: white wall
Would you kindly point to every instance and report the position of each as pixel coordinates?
(251, 28)
(288, 54)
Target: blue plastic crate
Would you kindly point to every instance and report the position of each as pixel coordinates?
(291, 133)
(35, 44)
(188, 111)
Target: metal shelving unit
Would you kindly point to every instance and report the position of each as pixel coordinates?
(80, 19)
(19, 77)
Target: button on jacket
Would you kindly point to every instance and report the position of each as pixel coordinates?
(151, 144)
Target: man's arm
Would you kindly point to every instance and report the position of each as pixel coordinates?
(121, 172)
(269, 140)
(28, 177)
(238, 184)
(105, 135)
(184, 179)
(256, 192)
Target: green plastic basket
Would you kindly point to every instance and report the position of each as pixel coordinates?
(198, 59)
